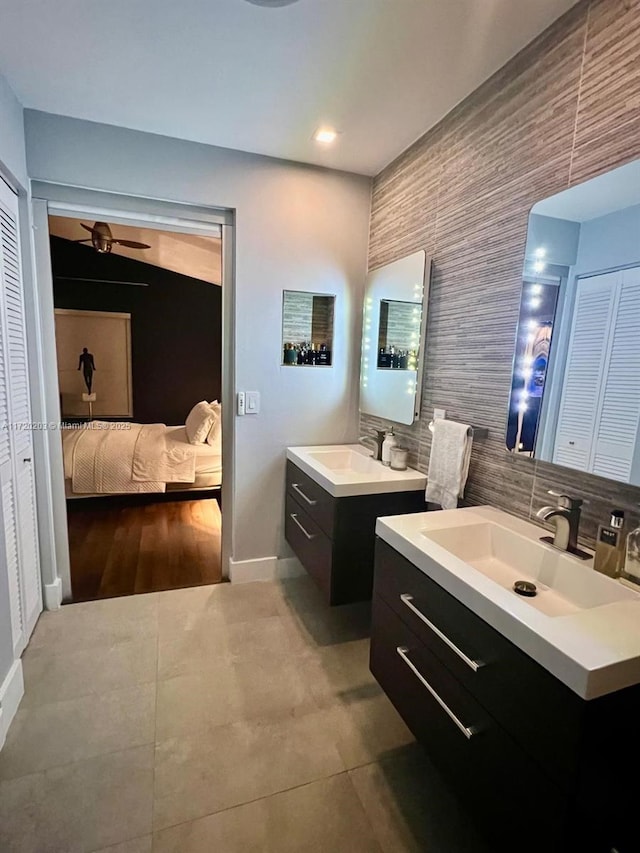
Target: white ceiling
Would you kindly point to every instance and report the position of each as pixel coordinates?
(230, 73)
(187, 254)
(615, 190)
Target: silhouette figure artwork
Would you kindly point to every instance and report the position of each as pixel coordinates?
(88, 367)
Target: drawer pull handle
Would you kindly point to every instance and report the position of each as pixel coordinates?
(294, 516)
(407, 599)
(467, 731)
(302, 494)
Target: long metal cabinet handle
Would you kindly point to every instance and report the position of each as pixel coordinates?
(294, 516)
(407, 599)
(302, 494)
(467, 731)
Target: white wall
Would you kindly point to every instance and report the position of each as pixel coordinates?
(12, 163)
(298, 228)
(12, 149)
(609, 241)
(558, 237)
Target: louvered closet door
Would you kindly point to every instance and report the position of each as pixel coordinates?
(18, 486)
(585, 370)
(618, 417)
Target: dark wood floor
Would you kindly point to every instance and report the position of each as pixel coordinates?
(121, 550)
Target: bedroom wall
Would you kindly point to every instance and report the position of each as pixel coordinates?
(297, 228)
(176, 326)
(563, 111)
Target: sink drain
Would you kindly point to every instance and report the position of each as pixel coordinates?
(525, 588)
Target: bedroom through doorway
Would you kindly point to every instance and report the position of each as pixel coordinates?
(138, 327)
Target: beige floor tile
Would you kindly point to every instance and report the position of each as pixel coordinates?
(300, 593)
(411, 809)
(367, 730)
(137, 845)
(328, 626)
(54, 677)
(231, 690)
(211, 641)
(79, 807)
(180, 610)
(195, 702)
(340, 673)
(323, 817)
(96, 624)
(61, 732)
(234, 764)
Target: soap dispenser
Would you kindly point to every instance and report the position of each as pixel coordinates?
(610, 546)
(389, 442)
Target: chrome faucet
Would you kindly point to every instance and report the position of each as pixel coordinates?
(377, 437)
(566, 519)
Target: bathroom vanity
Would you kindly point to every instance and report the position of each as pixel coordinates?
(334, 495)
(528, 706)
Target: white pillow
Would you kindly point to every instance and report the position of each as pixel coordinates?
(215, 433)
(199, 422)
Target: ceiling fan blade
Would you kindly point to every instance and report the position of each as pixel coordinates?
(86, 240)
(86, 228)
(131, 244)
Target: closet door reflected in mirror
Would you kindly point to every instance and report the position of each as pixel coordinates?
(575, 394)
(393, 339)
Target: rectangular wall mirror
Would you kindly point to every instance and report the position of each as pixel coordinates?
(575, 392)
(393, 339)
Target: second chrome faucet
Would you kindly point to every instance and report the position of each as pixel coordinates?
(565, 516)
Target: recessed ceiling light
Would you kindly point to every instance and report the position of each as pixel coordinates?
(272, 2)
(326, 135)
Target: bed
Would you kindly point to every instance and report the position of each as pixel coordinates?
(116, 458)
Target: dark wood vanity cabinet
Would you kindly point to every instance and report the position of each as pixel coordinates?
(541, 769)
(334, 538)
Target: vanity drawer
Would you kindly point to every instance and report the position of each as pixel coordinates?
(540, 712)
(316, 502)
(310, 544)
(482, 762)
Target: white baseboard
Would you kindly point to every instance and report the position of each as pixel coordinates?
(264, 569)
(11, 692)
(53, 595)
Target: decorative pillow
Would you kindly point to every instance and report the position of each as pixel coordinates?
(215, 433)
(199, 422)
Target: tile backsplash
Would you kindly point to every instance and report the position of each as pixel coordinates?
(562, 111)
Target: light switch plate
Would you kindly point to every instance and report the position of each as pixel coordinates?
(439, 413)
(252, 402)
(240, 403)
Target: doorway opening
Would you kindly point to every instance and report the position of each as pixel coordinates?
(138, 322)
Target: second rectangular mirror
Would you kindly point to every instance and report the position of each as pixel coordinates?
(575, 394)
(393, 339)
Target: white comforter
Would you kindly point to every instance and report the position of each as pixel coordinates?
(107, 458)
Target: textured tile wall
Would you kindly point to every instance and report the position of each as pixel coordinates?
(564, 110)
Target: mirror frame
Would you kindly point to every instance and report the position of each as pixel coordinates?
(415, 268)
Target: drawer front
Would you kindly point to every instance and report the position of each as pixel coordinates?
(543, 715)
(316, 502)
(489, 771)
(310, 544)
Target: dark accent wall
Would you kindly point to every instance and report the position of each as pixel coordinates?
(176, 326)
(564, 110)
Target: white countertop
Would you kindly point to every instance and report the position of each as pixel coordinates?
(593, 651)
(374, 479)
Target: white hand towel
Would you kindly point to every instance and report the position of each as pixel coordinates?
(448, 463)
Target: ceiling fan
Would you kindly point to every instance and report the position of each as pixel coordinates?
(102, 239)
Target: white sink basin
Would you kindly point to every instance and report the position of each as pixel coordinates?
(345, 461)
(581, 626)
(345, 470)
(564, 585)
